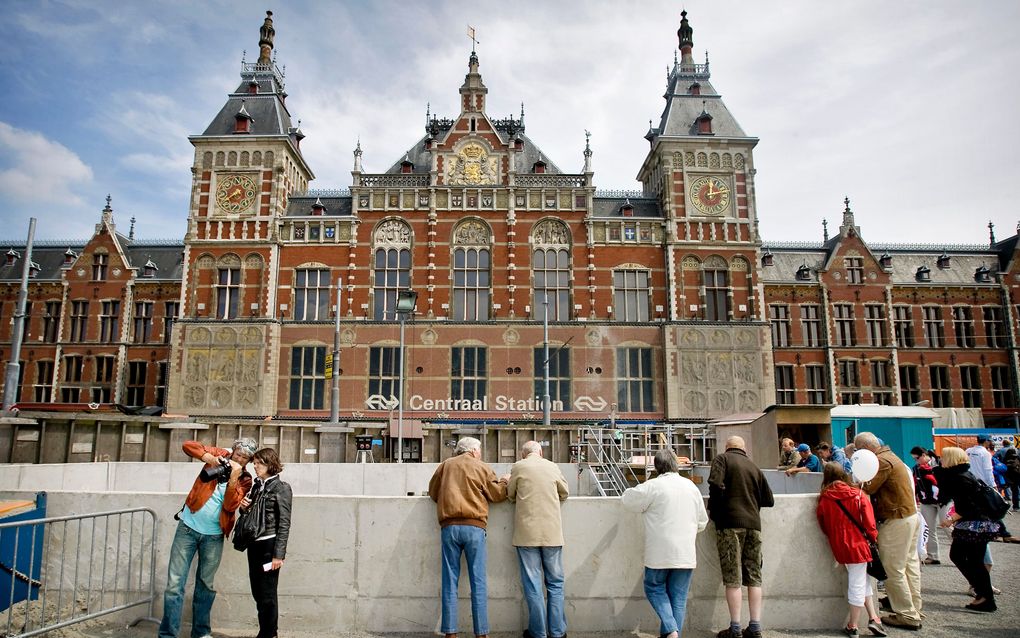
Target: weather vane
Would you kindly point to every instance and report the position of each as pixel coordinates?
(471, 34)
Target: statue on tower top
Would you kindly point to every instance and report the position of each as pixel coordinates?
(266, 34)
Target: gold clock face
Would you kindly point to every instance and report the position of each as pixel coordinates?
(710, 195)
(235, 193)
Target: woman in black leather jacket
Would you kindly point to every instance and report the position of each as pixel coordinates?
(267, 553)
(971, 528)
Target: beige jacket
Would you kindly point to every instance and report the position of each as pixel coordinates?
(462, 488)
(537, 487)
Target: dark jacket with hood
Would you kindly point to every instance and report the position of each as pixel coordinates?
(848, 544)
(958, 485)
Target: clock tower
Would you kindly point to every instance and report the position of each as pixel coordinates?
(247, 163)
(699, 166)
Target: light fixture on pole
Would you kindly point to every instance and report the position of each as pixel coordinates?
(546, 402)
(406, 300)
(334, 397)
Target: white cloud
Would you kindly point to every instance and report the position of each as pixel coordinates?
(34, 169)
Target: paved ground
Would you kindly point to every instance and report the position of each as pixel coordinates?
(944, 591)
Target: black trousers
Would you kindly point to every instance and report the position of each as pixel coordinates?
(969, 558)
(264, 585)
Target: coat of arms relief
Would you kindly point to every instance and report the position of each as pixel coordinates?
(472, 166)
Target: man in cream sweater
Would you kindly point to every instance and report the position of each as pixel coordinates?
(537, 488)
(674, 513)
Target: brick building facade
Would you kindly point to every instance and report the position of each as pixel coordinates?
(662, 305)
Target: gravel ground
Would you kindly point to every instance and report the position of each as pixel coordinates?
(944, 591)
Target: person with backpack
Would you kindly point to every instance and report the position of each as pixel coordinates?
(926, 490)
(976, 520)
(1009, 457)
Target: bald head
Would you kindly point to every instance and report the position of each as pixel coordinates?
(867, 441)
(735, 442)
(531, 447)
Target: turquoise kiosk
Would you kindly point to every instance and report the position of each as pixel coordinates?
(899, 427)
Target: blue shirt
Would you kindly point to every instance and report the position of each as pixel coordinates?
(838, 456)
(207, 519)
(811, 463)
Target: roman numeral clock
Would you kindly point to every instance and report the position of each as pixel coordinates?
(710, 195)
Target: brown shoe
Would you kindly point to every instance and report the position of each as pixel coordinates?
(898, 621)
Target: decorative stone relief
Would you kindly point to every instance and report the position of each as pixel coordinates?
(471, 233)
(720, 338)
(393, 232)
(738, 160)
(678, 160)
(692, 338)
(600, 235)
(746, 337)
(689, 158)
(347, 336)
(253, 262)
(593, 337)
(720, 369)
(722, 401)
(551, 232)
(695, 402)
(692, 369)
(511, 337)
(739, 264)
(471, 166)
(220, 376)
(713, 160)
(748, 401)
(727, 160)
(691, 263)
(429, 337)
(703, 160)
(199, 335)
(205, 261)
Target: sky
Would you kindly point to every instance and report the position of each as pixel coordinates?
(907, 108)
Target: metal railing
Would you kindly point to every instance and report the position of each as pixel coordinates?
(605, 458)
(79, 567)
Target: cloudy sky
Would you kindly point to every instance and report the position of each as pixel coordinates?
(908, 108)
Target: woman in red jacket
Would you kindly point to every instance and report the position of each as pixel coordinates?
(849, 546)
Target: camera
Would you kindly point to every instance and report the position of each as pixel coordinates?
(219, 473)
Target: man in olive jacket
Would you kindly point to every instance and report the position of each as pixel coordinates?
(892, 493)
(462, 487)
(537, 487)
(737, 490)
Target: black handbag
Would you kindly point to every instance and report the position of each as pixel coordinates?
(251, 523)
(875, 567)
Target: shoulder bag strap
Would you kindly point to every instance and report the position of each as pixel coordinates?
(853, 520)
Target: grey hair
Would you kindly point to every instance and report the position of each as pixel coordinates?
(867, 441)
(467, 444)
(531, 447)
(665, 461)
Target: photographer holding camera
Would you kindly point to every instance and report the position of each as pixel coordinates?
(206, 517)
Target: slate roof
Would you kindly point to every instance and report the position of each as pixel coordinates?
(422, 158)
(336, 205)
(270, 115)
(964, 262)
(679, 117)
(613, 207)
(168, 256)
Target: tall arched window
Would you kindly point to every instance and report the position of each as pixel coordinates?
(392, 267)
(471, 272)
(550, 265)
(716, 285)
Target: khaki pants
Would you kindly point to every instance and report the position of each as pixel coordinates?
(897, 546)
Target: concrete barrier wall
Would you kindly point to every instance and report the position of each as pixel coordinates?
(371, 563)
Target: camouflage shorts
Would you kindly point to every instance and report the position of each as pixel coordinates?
(739, 556)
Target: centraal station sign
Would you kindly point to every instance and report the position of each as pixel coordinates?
(498, 403)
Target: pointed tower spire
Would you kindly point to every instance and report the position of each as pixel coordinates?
(587, 151)
(472, 92)
(686, 36)
(266, 35)
(848, 228)
(357, 157)
(108, 210)
(991, 233)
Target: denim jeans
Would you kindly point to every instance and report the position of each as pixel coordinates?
(188, 542)
(471, 541)
(666, 590)
(543, 565)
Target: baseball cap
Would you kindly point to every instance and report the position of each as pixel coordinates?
(982, 438)
(803, 447)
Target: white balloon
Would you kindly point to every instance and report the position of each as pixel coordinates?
(864, 464)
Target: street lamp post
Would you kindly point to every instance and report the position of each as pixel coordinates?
(17, 331)
(406, 300)
(334, 397)
(546, 402)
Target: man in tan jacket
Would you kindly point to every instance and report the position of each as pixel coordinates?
(537, 487)
(462, 487)
(892, 491)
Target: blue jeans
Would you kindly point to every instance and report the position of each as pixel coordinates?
(666, 590)
(471, 541)
(188, 542)
(543, 565)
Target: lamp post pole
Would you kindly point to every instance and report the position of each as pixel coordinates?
(546, 402)
(334, 397)
(400, 399)
(17, 332)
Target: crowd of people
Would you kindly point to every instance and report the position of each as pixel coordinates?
(881, 526)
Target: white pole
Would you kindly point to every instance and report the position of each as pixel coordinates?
(546, 402)
(17, 332)
(400, 399)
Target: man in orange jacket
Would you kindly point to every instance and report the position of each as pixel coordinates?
(207, 516)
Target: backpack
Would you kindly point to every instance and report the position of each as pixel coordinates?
(990, 503)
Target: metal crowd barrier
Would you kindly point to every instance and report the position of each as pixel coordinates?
(78, 568)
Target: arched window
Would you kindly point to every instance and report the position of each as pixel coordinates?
(392, 267)
(471, 272)
(716, 284)
(550, 265)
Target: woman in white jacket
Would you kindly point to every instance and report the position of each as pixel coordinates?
(674, 513)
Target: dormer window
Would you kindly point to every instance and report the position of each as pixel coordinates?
(253, 86)
(318, 208)
(694, 89)
(627, 209)
(923, 273)
(983, 275)
(539, 167)
(149, 270)
(243, 121)
(704, 124)
(803, 273)
(518, 144)
(33, 269)
(407, 166)
(885, 261)
(12, 256)
(767, 258)
(69, 257)
(944, 261)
